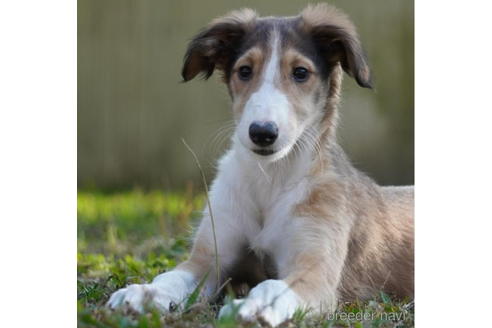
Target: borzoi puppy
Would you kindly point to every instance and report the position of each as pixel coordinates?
(293, 218)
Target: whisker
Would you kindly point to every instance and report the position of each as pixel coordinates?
(264, 173)
(221, 138)
(220, 135)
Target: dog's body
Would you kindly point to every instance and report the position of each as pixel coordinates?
(291, 213)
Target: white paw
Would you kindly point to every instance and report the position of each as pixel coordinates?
(166, 289)
(272, 301)
(137, 297)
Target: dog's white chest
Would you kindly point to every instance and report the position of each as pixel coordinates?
(264, 200)
(275, 223)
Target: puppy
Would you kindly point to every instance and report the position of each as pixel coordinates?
(291, 216)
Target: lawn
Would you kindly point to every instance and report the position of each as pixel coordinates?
(130, 237)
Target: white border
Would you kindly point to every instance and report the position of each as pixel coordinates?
(453, 163)
(38, 164)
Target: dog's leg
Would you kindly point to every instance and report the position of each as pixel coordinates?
(310, 274)
(174, 286)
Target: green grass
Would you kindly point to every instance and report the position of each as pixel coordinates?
(130, 237)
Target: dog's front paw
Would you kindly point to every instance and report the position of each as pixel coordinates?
(138, 297)
(272, 301)
(166, 291)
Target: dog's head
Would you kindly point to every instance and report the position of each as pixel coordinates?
(277, 70)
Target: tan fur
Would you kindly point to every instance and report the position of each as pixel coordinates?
(299, 96)
(321, 13)
(199, 260)
(377, 227)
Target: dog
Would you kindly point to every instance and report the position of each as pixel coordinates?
(289, 215)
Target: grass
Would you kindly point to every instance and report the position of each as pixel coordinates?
(130, 237)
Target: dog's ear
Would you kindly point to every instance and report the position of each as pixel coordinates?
(336, 40)
(215, 45)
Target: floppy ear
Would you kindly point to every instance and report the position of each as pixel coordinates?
(214, 46)
(336, 39)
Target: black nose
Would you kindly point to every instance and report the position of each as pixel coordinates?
(263, 133)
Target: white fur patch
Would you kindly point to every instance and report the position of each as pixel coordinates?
(272, 301)
(169, 287)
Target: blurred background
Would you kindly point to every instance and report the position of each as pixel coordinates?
(133, 110)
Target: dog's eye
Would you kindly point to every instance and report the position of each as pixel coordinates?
(245, 72)
(300, 74)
